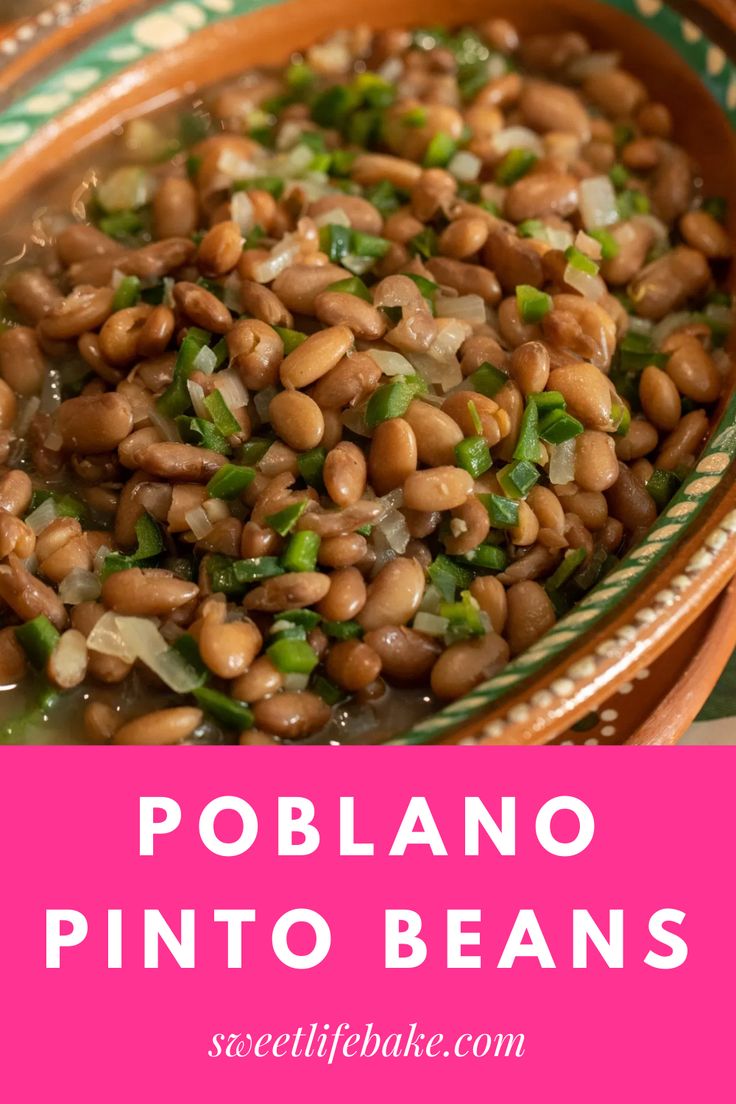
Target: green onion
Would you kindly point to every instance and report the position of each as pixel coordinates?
(631, 202)
(150, 544)
(662, 485)
(531, 228)
(425, 243)
(447, 576)
(127, 293)
(473, 454)
(621, 416)
(570, 563)
(515, 164)
(292, 339)
(283, 521)
(38, 638)
(440, 150)
(225, 421)
(503, 512)
(475, 417)
(261, 567)
(67, 505)
(464, 617)
(301, 551)
(352, 286)
(518, 478)
(292, 656)
(384, 197)
(175, 399)
(609, 245)
(581, 261)
(547, 400)
(123, 224)
(233, 714)
(255, 449)
(230, 481)
(488, 557)
(327, 690)
(618, 175)
(393, 399)
(342, 630)
(310, 466)
(559, 426)
(368, 245)
(335, 241)
(527, 444)
(487, 379)
(532, 303)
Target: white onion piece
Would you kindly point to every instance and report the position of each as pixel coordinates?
(289, 134)
(465, 166)
(299, 159)
(446, 374)
(173, 669)
(597, 202)
(79, 586)
(294, 681)
(232, 388)
(241, 210)
(394, 500)
(431, 624)
(720, 314)
(42, 516)
(116, 279)
(216, 509)
(99, 558)
(493, 193)
(557, 238)
(28, 410)
(196, 394)
(562, 462)
(639, 325)
(354, 420)
(390, 363)
(168, 299)
(394, 529)
(126, 189)
(668, 325)
(450, 333)
(592, 287)
(468, 308)
(53, 441)
(108, 638)
(517, 137)
(431, 600)
(198, 522)
(587, 245)
(262, 401)
(281, 256)
(357, 265)
(391, 69)
(165, 426)
(234, 167)
(334, 217)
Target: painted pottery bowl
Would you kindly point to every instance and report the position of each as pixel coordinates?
(74, 72)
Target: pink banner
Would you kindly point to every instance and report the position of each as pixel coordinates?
(157, 946)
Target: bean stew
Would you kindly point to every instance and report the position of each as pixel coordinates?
(325, 396)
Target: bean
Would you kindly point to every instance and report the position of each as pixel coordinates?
(490, 595)
(344, 473)
(104, 668)
(256, 541)
(691, 369)
(146, 592)
(668, 282)
(457, 406)
(93, 424)
(659, 397)
(22, 364)
(261, 680)
(640, 440)
(540, 195)
(514, 260)
(220, 249)
(630, 502)
(156, 332)
(346, 596)
(292, 714)
(643, 470)
(466, 279)
(432, 192)
(297, 419)
(184, 498)
(175, 208)
(334, 308)
(586, 392)
(464, 665)
(529, 367)
(80, 241)
(612, 535)
(655, 118)
(353, 665)
(342, 551)
(315, 356)
(298, 286)
(596, 467)
(671, 186)
(512, 329)
(163, 726)
(510, 403)
(361, 214)
(463, 237)
(85, 308)
(437, 488)
(549, 107)
(152, 262)
(590, 507)
(202, 307)
(13, 662)
(641, 154)
(351, 381)
(530, 615)
(394, 595)
(228, 650)
(8, 406)
(15, 536)
(468, 528)
(213, 152)
(373, 168)
(67, 665)
(74, 555)
(704, 233)
(32, 293)
(617, 93)
(256, 351)
(27, 596)
(120, 333)
(406, 655)
(684, 441)
(436, 433)
(263, 304)
(188, 463)
(526, 531)
(100, 722)
(291, 591)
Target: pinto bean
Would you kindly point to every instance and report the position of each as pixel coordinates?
(668, 282)
(163, 726)
(466, 279)
(146, 592)
(187, 463)
(372, 168)
(202, 307)
(684, 442)
(704, 233)
(394, 595)
(22, 364)
(85, 308)
(345, 474)
(433, 191)
(530, 615)
(406, 655)
(346, 596)
(691, 370)
(353, 665)
(469, 527)
(351, 381)
(541, 194)
(292, 714)
(93, 424)
(334, 308)
(175, 208)
(659, 397)
(32, 293)
(464, 665)
(261, 680)
(463, 237)
(298, 286)
(291, 591)
(297, 419)
(640, 440)
(514, 260)
(343, 551)
(630, 502)
(458, 408)
(28, 597)
(529, 367)
(120, 333)
(13, 661)
(256, 351)
(586, 393)
(437, 488)
(156, 332)
(596, 467)
(263, 304)
(8, 406)
(315, 357)
(228, 650)
(436, 433)
(551, 107)
(16, 490)
(617, 93)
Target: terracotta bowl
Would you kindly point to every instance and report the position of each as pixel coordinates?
(70, 75)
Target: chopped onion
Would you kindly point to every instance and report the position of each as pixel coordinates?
(592, 287)
(390, 363)
(165, 426)
(562, 462)
(446, 374)
(587, 245)
(468, 308)
(299, 159)
(354, 420)
(99, 558)
(517, 137)
(116, 279)
(168, 299)
(241, 210)
(336, 216)
(108, 638)
(289, 134)
(391, 70)
(28, 410)
(262, 401)
(126, 189)
(173, 669)
(216, 509)
(668, 325)
(357, 265)
(281, 256)
(394, 500)
(198, 522)
(720, 314)
(431, 600)
(431, 624)
(42, 516)
(131, 638)
(465, 166)
(205, 361)
(394, 529)
(597, 202)
(557, 238)
(234, 167)
(493, 193)
(79, 586)
(639, 325)
(53, 441)
(155, 498)
(450, 333)
(232, 388)
(294, 681)
(231, 292)
(196, 394)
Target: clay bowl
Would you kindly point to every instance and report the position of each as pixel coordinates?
(69, 76)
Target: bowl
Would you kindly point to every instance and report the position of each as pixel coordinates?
(71, 75)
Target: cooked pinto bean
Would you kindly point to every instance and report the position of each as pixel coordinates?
(691, 369)
(316, 356)
(464, 665)
(291, 714)
(164, 726)
(228, 650)
(297, 419)
(22, 365)
(292, 591)
(541, 194)
(530, 614)
(345, 473)
(175, 208)
(394, 595)
(146, 592)
(94, 423)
